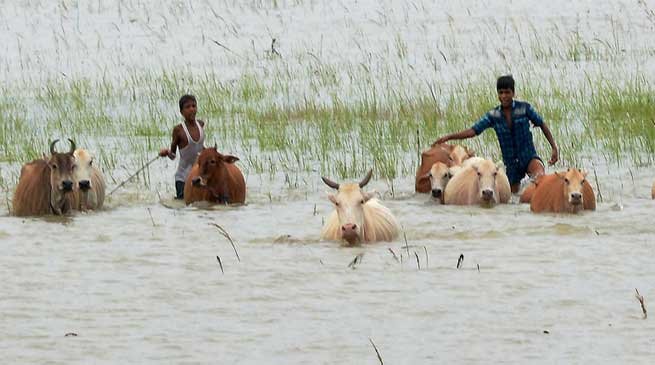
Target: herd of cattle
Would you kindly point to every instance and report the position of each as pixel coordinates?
(65, 182)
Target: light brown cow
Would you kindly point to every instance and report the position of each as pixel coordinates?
(216, 179)
(439, 175)
(481, 182)
(358, 216)
(90, 181)
(652, 191)
(46, 186)
(563, 192)
(450, 155)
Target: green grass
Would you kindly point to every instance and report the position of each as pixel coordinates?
(341, 125)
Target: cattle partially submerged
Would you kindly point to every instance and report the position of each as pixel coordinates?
(449, 155)
(479, 182)
(439, 175)
(563, 192)
(215, 178)
(358, 215)
(46, 186)
(90, 181)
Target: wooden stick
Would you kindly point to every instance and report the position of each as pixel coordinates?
(133, 175)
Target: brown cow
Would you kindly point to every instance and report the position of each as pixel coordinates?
(563, 192)
(358, 216)
(46, 187)
(450, 155)
(215, 178)
(480, 182)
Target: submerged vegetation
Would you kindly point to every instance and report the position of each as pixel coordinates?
(339, 135)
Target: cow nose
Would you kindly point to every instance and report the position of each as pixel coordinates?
(196, 181)
(576, 197)
(436, 193)
(487, 193)
(349, 227)
(67, 185)
(85, 185)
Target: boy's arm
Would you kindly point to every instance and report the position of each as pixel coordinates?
(479, 127)
(170, 153)
(554, 156)
(538, 121)
(467, 133)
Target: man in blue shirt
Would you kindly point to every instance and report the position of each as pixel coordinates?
(511, 121)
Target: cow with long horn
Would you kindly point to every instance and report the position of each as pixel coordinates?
(358, 215)
(46, 185)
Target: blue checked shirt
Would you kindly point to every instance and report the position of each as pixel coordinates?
(516, 144)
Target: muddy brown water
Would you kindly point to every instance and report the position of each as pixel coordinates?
(140, 282)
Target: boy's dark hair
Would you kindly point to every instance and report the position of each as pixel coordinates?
(186, 98)
(505, 82)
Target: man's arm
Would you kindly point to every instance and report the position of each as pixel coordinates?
(467, 133)
(170, 153)
(554, 156)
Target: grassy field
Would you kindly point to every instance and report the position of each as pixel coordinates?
(304, 111)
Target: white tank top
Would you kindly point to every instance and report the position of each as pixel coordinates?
(189, 153)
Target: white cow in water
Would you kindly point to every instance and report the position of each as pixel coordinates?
(90, 181)
(358, 216)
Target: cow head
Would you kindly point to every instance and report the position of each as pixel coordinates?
(573, 181)
(212, 167)
(439, 176)
(84, 169)
(458, 154)
(349, 203)
(62, 168)
(487, 172)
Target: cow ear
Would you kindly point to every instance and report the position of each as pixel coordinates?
(470, 152)
(369, 195)
(332, 198)
(424, 177)
(230, 159)
(561, 174)
(584, 173)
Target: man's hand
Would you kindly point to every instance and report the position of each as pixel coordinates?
(441, 140)
(163, 152)
(554, 157)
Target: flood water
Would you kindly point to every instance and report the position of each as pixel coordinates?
(139, 282)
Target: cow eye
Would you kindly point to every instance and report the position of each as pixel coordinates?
(336, 203)
(430, 175)
(479, 174)
(566, 180)
(361, 201)
(53, 166)
(445, 175)
(90, 162)
(583, 181)
(495, 174)
(74, 167)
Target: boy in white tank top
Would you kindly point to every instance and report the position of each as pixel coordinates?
(188, 139)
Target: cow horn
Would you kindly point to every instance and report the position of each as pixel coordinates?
(366, 179)
(72, 145)
(52, 146)
(330, 183)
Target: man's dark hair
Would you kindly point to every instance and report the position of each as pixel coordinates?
(505, 82)
(186, 98)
